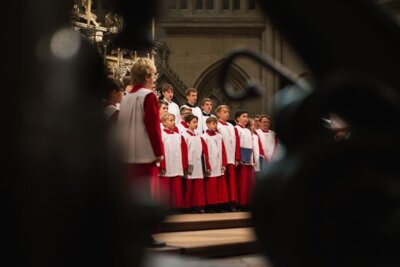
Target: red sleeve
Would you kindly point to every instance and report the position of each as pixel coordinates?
(224, 160)
(152, 123)
(162, 162)
(205, 153)
(184, 149)
(262, 153)
(237, 148)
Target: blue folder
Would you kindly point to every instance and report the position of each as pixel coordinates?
(245, 155)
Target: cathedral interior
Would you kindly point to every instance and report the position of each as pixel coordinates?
(323, 203)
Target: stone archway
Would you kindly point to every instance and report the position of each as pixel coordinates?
(167, 75)
(207, 85)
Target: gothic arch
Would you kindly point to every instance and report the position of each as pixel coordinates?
(207, 85)
(166, 75)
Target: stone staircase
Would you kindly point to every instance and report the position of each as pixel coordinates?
(208, 235)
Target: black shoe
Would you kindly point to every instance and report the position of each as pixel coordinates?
(156, 243)
(210, 210)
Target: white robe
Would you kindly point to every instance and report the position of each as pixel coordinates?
(268, 141)
(197, 111)
(195, 154)
(181, 129)
(204, 121)
(173, 154)
(214, 146)
(245, 139)
(173, 108)
(228, 134)
(109, 111)
(256, 152)
(134, 136)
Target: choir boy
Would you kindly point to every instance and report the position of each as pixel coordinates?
(197, 156)
(174, 165)
(258, 154)
(227, 130)
(191, 99)
(114, 93)
(268, 138)
(245, 167)
(182, 127)
(206, 107)
(215, 183)
(163, 109)
(168, 93)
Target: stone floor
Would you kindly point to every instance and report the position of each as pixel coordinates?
(166, 260)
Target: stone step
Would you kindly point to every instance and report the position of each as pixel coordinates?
(192, 222)
(210, 243)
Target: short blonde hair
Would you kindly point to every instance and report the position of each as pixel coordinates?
(165, 116)
(141, 69)
(211, 119)
(205, 100)
(218, 109)
(190, 90)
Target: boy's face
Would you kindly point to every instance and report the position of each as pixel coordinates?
(152, 78)
(117, 96)
(163, 109)
(256, 122)
(252, 126)
(192, 98)
(264, 123)
(207, 107)
(242, 119)
(168, 95)
(223, 114)
(212, 126)
(170, 123)
(193, 124)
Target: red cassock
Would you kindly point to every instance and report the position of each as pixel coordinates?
(215, 184)
(231, 142)
(194, 191)
(174, 164)
(244, 172)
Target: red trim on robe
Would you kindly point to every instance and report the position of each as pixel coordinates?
(205, 153)
(237, 148)
(152, 123)
(262, 153)
(190, 133)
(184, 153)
(137, 87)
(224, 160)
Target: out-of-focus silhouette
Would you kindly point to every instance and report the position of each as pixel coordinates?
(63, 203)
(330, 202)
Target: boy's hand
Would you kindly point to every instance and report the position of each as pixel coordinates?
(159, 159)
(161, 172)
(223, 169)
(208, 172)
